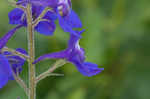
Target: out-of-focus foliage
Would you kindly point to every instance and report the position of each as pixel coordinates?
(117, 38)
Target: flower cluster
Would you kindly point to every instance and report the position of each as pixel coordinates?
(69, 21)
(60, 9)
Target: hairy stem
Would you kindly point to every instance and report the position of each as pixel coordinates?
(50, 71)
(46, 74)
(31, 51)
(16, 53)
(41, 16)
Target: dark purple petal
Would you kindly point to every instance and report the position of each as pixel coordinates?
(73, 20)
(45, 3)
(68, 23)
(74, 40)
(46, 28)
(37, 10)
(65, 26)
(56, 55)
(3, 80)
(88, 69)
(16, 61)
(21, 50)
(15, 16)
(7, 36)
(50, 16)
(5, 53)
(76, 55)
(5, 71)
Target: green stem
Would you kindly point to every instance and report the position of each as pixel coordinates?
(39, 18)
(31, 51)
(50, 71)
(15, 53)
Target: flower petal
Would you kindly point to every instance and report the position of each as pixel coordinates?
(50, 16)
(74, 39)
(88, 69)
(21, 50)
(15, 16)
(68, 23)
(37, 10)
(15, 61)
(45, 3)
(73, 20)
(56, 55)
(5, 71)
(8, 35)
(4, 80)
(45, 27)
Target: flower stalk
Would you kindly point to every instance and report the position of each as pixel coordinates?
(15, 53)
(31, 52)
(50, 71)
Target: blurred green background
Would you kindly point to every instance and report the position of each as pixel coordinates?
(117, 38)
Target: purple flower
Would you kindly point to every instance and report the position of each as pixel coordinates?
(70, 22)
(68, 19)
(17, 16)
(75, 55)
(61, 10)
(8, 61)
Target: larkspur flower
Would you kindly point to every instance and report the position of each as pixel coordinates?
(46, 27)
(61, 10)
(68, 19)
(75, 55)
(8, 61)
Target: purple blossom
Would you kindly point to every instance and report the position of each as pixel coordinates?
(61, 10)
(17, 16)
(75, 55)
(68, 19)
(8, 61)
